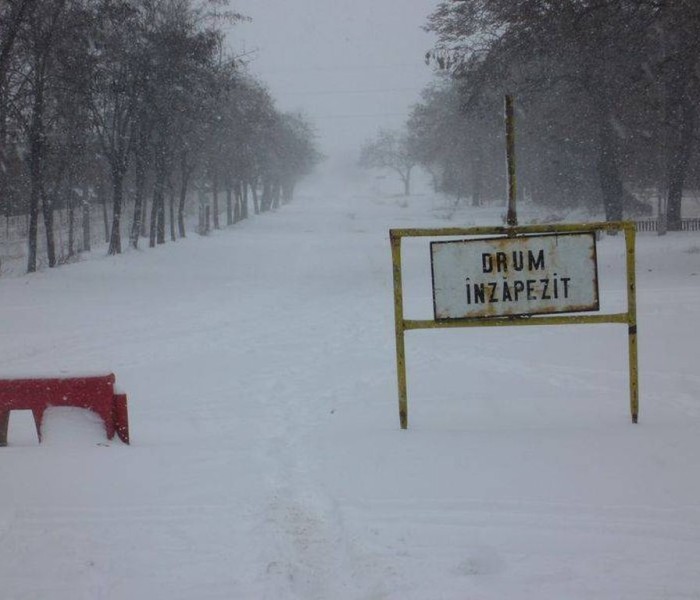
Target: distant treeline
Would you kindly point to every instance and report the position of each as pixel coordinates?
(607, 95)
(135, 104)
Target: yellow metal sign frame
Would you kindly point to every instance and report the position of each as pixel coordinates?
(629, 317)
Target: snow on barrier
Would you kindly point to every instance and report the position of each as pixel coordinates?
(95, 393)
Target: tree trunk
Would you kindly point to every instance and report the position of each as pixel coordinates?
(680, 51)
(608, 162)
(678, 159)
(256, 202)
(287, 192)
(115, 239)
(153, 230)
(71, 221)
(237, 202)
(215, 197)
(4, 201)
(184, 182)
(161, 217)
(144, 216)
(32, 230)
(229, 205)
(48, 214)
(173, 237)
(36, 151)
(265, 199)
(87, 246)
(244, 199)
(276, 192)
(157, 230)
(140, 184)
(36, 160)
(105, 216)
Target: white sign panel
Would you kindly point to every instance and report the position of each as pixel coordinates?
(496, 277)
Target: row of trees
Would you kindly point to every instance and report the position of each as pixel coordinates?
(136, 101)
(606, 92)
(464, 156)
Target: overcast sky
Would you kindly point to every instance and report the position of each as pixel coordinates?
(351, 65)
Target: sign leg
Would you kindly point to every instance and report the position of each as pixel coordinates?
(4, 422)
(399, 327)
(401, 374)
(632, 321)
(634, 382)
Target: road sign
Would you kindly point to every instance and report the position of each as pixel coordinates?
(513, 276)
(563, 254)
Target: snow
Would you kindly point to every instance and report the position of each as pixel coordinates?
(267, 460)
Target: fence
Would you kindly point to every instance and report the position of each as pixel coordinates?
(652, 225)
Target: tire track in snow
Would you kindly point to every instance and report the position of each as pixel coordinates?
(303, 384)
(305, 525)
(312, 544)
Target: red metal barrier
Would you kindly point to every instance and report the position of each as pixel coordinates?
(94, 393)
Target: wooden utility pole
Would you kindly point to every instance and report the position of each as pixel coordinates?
(512, 218)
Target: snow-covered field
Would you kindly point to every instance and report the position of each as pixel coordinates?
(267, 460)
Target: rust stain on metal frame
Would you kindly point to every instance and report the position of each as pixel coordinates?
(629, 317)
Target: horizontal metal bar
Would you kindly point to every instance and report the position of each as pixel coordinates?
(518, 230)
(614, 318)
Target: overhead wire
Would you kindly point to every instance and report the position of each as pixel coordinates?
(366, 116)
(339, 92)
(373, 67)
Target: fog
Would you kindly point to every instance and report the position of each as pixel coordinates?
(351, 65)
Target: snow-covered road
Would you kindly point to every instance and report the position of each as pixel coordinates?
(266, 458)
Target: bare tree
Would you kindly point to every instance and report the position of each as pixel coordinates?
(114, 98)
(41, 36)
(606, 89)
(12, 16)
(390, 150)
